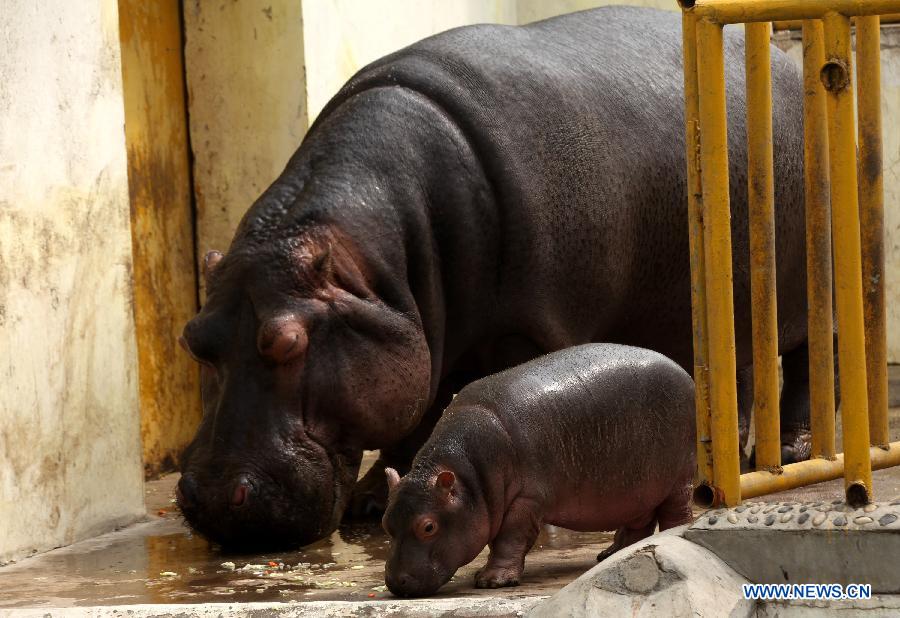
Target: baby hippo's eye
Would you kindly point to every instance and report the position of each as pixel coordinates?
(426, 528)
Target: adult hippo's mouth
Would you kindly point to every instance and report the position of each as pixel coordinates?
(254, 509)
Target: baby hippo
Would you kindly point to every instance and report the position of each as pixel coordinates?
(594, 437)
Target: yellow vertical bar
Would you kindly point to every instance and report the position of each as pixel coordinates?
(761, 202)
(159, 182)
(818, 244)
(871, 214)
(837, 78)
(695, 227)
(717, 246)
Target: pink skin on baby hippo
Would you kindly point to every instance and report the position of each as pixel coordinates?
(595, 437)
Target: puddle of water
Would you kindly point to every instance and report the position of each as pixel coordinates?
(163, 562)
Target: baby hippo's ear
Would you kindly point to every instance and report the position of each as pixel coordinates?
(393, 479)
(444, 481)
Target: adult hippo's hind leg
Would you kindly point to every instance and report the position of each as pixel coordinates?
(796, 437)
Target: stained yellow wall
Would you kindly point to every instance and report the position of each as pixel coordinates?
(70, 454)
(247, 104)
(165, 285)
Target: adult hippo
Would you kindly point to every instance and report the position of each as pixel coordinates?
(466, 204)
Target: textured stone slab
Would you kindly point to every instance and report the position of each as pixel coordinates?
(815, 542)
(878, 517)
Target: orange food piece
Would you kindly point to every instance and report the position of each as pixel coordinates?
(371, 595)
(274, 564)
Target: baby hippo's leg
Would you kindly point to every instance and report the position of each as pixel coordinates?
(632, 532)
(518, 532)
(676, 509)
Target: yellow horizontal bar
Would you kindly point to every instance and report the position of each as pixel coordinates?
(741, 11)
(803, 473)
(797, 24)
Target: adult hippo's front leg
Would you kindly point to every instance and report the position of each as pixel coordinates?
(369, 497)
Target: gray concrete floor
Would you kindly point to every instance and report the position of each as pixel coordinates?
(161, 561)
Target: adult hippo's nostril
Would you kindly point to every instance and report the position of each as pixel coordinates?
(241, 493)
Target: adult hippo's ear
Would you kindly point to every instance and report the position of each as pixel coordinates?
(282, 339)
(328, 263)
(210, 261)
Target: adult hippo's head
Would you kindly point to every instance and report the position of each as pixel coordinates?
(303, 365)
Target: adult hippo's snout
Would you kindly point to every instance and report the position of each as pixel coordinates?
(292, 344)
(281, 508)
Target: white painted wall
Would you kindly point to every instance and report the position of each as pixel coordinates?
(343, 36)
(70, 462)
(533, 10)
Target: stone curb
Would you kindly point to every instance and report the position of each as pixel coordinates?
(458, 607)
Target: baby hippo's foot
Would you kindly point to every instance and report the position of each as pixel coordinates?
(630, 533)
(606, 553)
(497, 577)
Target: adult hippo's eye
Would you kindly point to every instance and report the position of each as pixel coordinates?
(426, 528)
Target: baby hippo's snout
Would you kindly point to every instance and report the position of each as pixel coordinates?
(404, 584)
(413, 578)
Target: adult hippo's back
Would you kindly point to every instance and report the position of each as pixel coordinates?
(475, 200)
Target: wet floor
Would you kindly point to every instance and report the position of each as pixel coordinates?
(161, 561)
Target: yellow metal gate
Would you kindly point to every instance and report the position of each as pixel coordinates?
(844, 214)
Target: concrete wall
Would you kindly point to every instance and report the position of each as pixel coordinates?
(890, 110)
(247, 105)
(70, 463)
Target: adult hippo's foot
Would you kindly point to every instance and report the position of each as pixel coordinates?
(369, 497)
(796, 444)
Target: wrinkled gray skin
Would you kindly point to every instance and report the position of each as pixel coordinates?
(485, 196)
(595, 437)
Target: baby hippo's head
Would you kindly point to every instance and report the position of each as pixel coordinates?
(435, 528)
